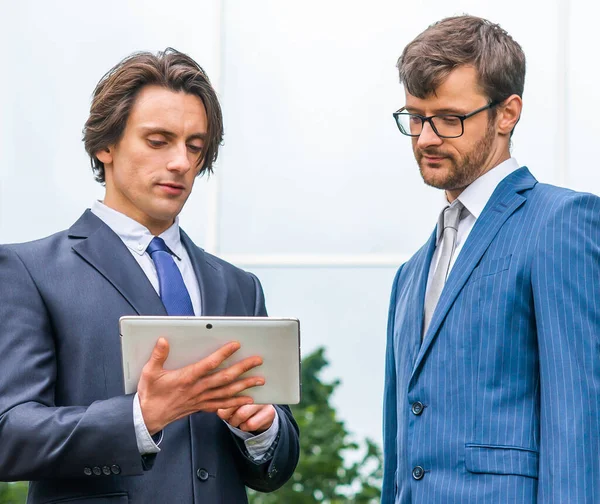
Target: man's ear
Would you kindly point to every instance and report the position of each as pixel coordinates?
(105, 155)
(509, 113)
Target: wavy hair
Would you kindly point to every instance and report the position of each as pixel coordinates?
(116, 92)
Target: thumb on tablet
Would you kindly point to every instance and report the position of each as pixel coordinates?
(160, 353)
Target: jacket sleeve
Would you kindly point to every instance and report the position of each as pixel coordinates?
(38, 438)
(275, 472)
(566, 290)
(390, 421)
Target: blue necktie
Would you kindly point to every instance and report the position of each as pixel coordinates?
(173, 293)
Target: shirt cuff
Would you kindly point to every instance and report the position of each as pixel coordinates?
(258, 446)
(145, 442)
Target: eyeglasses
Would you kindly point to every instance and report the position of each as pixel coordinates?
(443, 125)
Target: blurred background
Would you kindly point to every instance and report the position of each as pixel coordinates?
(315, 189)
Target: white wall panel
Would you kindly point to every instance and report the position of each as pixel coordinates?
(314, 162)
(583, 126)
(344, 310)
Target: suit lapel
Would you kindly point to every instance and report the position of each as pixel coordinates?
(505, 200)
(102, 249)
(408, 324)
(213, 293)
(418, 302)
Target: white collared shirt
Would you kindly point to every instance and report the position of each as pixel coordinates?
(137, 238)
(474, 198)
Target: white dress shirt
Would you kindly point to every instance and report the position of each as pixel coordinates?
(474, 198)
(137, 238)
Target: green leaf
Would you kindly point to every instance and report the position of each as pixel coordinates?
(322, 474)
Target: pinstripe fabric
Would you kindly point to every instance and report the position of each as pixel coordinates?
(509, 369)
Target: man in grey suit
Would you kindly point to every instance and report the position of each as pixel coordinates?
(187, 435)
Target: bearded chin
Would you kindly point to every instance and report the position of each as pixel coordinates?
(461, 171)
(456, 176)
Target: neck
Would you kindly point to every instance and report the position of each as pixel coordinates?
(495, 160)
(155, 226)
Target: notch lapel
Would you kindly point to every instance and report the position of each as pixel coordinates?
(102, 249)
(505, 200)
(210, 277)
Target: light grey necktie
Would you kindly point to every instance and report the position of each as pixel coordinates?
(448, 222)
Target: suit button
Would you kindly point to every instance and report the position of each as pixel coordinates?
(97, 471)
(106, 470)
(87, 471)
(417, 408)
(115, 469)
(418, 473)
(202, 474)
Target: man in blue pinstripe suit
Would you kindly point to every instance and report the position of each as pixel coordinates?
(492, 389)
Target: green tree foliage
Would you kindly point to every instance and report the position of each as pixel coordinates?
(13, 493)
(322, 475)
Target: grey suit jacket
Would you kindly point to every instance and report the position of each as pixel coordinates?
(64, 421)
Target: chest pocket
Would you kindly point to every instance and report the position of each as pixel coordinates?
(491, 267)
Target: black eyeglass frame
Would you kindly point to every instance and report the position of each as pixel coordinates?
(428, 119)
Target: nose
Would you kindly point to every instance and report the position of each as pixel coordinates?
(428, 137)
(180, 160)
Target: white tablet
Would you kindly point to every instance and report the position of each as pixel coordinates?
(276, 340)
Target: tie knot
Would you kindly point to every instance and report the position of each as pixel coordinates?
(157, 245)
(452, 215)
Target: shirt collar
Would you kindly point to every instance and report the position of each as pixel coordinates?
(476, 196)
(133, 234)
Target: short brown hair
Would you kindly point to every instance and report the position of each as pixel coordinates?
(116, 92)
(463, 40)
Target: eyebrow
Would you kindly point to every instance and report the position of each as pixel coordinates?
(149, 130)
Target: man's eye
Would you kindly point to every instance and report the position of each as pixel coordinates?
(156, 143)
(196, 149)
(449, 120)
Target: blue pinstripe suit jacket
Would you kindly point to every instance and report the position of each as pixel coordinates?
(509, 369)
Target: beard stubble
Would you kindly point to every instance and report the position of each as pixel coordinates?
(463, 171)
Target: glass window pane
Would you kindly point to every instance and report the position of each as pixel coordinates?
(344, 310)
(583, 128)
(56, 58)
(313, 162)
